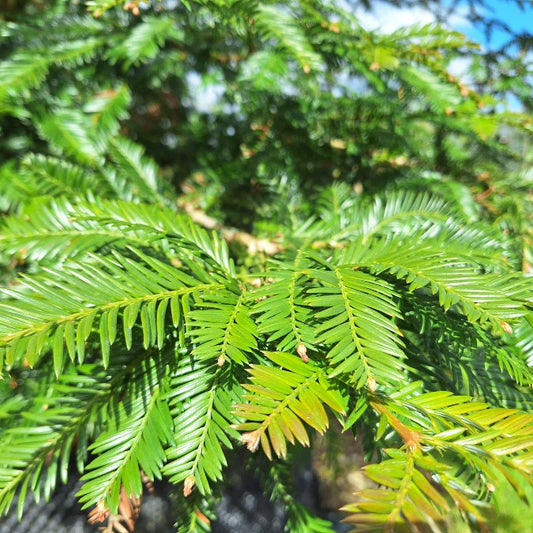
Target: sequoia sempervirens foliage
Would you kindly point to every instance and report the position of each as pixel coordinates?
(235, 224)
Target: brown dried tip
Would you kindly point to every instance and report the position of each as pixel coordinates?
(371, 384)
(374, 66)
(221, 359)
(99, 513)
(307, 70)
(506, 327)
(188, 485)
(251, 440)
(301, 349)
(147, 483)
(129, 508)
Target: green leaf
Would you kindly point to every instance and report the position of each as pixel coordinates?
(138, 432)
(81, 293)
(145, 40)
(356, 322)
(200, 401)
(70, 131)
(281, 399)
(279, 24)
(221, 326)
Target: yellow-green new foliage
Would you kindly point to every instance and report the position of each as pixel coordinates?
(180, 282)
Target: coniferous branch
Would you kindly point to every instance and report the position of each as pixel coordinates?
(21, 74)
(200, 399)
(137, 343)
(280, 308)
(346, 222)
(35, 453)
(195, 512)
(57, 310)
(63, 417)
(222, 326)
(278, 24)
(138, 431)
(523, 339)
(28, 69)
(455, 283)
(453, 346)
(280, 399)
(356, 320)
(141, 172)
(437, 422)
(144, 41)
(69, 131)
(41, 177)
(65, 229)
(108, 108)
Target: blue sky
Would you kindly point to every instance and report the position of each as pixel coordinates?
(387, 18)
(509, 13)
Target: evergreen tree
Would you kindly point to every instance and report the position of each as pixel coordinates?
(230, 223)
